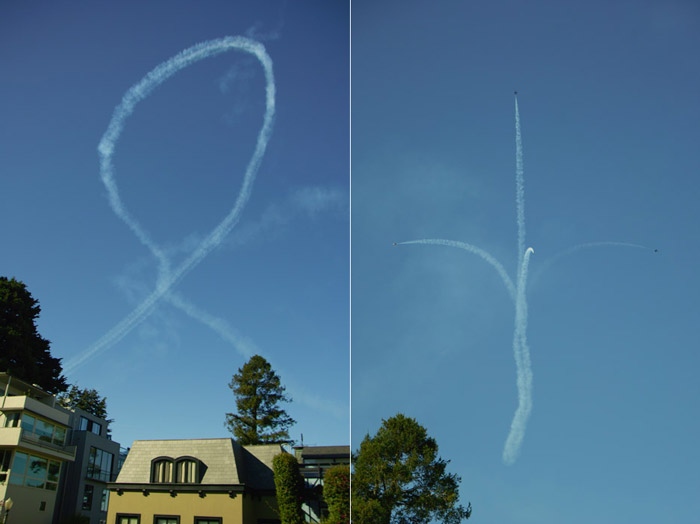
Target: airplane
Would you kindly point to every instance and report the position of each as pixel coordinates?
(395, 244)
(515, 93)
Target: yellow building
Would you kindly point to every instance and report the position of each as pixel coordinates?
(201, 481)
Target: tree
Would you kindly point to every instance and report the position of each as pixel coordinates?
(258, 393)
(399, 479)
(86, 399)
(289, 488)
(23, 352)
(336, 493)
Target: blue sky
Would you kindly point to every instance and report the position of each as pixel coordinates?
(607, 93)
(275, 284)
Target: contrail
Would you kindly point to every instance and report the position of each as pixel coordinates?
(521, 352)
(517, 291)
(477, 251)
(570, 251)
(167, 277)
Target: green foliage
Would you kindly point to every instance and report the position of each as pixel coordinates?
(289, 486)
(258, 393)
(399, 478)
(23, 352)
(336, 493)
(86, 399)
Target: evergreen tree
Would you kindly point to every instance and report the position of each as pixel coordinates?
(23, 352)
(86, 399)
(259, 418)
(398, 478)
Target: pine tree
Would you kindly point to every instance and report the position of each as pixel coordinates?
(86, 399)
(23, 352)
(259, 418)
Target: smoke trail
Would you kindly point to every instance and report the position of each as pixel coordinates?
(517, 291)
(521, 352)
(570, 251)
(167, 277)
(519, 185)
(244, 346)
(477, 251)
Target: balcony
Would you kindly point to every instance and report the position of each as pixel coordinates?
(22, 403)
(16, 437)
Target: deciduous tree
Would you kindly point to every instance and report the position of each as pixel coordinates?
(259, 418)
(400, 479)
(23, 352)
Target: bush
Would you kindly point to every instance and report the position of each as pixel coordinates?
(336, 493)
(289, 485)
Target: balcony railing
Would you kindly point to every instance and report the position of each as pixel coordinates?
(42, 442)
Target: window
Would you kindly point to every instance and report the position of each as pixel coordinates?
(162, 472)
(100, 465)
(12, 419)
(43, 430)
(161, 519)
(5, 458)
(186, 471)
(207, 520)
(90, 425)
(104, 502)
(35, 472)
(87, 497)
(128, 519)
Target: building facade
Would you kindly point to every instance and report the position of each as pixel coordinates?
(84, 489)
(34, 450)
(199, 481)
(314, 461)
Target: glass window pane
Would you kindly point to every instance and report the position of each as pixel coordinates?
(105, 500)
(37, 467)
(43, 430)
(28, 423)
(19, 465)
(59, 436)
(34, 482)
(54, 470)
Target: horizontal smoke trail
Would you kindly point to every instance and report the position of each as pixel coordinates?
(167, 277)
(570, 251)
(477, 251)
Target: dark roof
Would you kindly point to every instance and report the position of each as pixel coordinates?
(319, 452)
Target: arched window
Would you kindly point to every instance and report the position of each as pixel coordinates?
(162, 470)
(187, 470)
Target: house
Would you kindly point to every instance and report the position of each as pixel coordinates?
(314, 461)
(84, 482)
(34, 450)
(200, 481)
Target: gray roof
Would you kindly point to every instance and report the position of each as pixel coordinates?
(225, 461)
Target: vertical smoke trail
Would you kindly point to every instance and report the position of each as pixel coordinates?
(521, 351)
(519, 185)
(167, 278)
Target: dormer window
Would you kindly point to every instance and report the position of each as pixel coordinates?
(187, 470)
(183, 470)
(162, 470)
